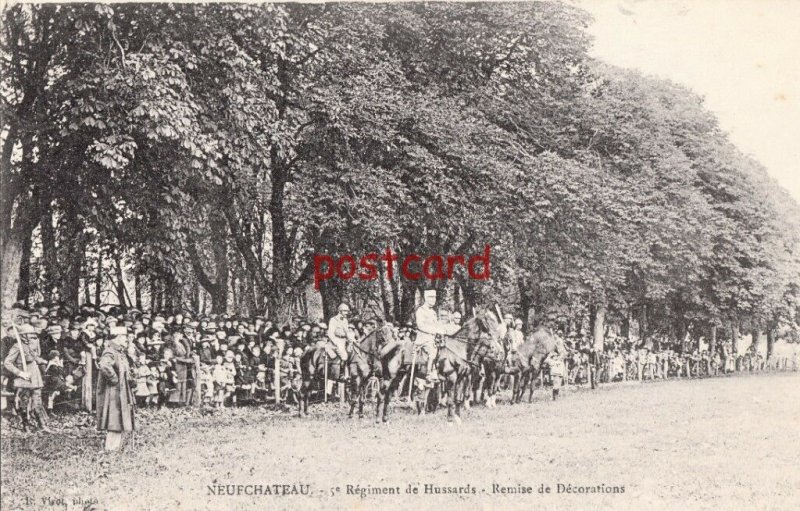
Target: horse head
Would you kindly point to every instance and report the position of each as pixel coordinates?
(385, 334)
(484, 327)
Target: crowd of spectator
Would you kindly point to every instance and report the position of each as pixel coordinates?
(222, 360)
(623, 360)
(227, 360)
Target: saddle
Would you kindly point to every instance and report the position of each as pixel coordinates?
(421, 357)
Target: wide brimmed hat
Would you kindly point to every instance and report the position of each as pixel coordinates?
(25, 329)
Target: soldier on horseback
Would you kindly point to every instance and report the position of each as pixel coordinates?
(339, 335)
(514, 336)
(428, 327)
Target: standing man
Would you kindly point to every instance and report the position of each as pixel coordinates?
(339, 334)
(115, 398)
(22, 361)
(428, 327)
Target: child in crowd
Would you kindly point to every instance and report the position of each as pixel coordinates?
(230, 367)
(153, 382)
(143, 377)
(223, 374)
(56, 381)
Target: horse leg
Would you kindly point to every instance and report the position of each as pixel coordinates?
(491, 386)
(450, 392)
(386, 398)
(449, 403)
(530, 392)
(514, 387)
(379, 396)
(353, 398)
(460, 390)
(300, 401)
(362, 389)
(519, 386)
(468, 393)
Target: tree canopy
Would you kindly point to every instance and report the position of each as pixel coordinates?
(219, 146)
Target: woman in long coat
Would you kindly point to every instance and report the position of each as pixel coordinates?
(115, 399)
(184, 365)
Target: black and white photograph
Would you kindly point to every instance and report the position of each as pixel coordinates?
(400, 255)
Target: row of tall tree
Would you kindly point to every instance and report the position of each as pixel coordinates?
(218, 147)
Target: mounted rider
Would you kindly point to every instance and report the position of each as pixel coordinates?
(339, 335)
(514, 337)
(428, 327)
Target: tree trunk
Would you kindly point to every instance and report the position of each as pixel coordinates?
(218, 287)
(525, 304)
(626, 325)
(73, 250)
(168, 294)
(643, 321)
(735, 336)
(11, 250)
(87, 293)
(387, 306)
(24, 291)
(137, 291)
(121, 292)
(468, 292)
(158, 295)
(599, 323)
(408, 301)
(756, 337)
(712, 342)
(98, 279)
(394, 284)
(49, 252)
(331, 292)
(235, 295)
(195, 296)
(153, 292)
(770, 341)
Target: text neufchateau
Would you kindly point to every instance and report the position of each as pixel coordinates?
(433, 267)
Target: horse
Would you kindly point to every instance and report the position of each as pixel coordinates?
(492, 365)
(528, 361)
(452, 361)
(362, 360)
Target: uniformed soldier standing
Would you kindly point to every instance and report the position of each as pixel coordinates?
(428, 327)
(22, 361)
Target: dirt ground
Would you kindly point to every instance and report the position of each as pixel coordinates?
(724, 443)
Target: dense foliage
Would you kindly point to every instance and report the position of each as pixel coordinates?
(219, 146)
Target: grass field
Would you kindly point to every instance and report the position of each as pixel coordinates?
(725, 443)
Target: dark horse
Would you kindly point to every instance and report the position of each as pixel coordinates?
(527, 362)
(363, 360)
(454, 359)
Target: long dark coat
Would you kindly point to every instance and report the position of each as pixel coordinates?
(115, 398)
(184, 369)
